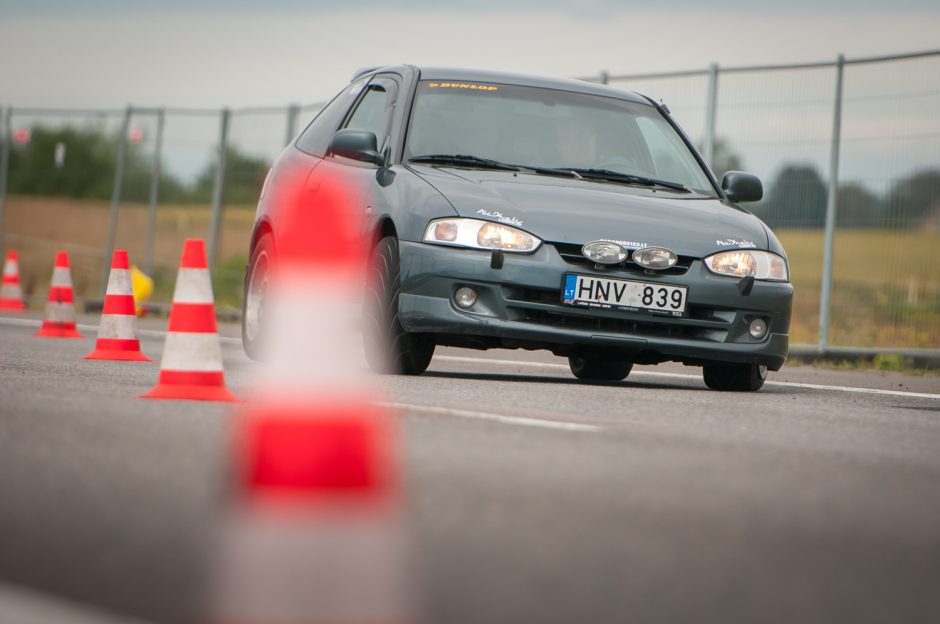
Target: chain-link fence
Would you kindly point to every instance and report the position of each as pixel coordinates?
(142, 179)
(849, 152)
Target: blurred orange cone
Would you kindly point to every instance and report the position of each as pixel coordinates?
(191, 367)
(60, 306)
(315, 533)
(117, 331)
(11, 296)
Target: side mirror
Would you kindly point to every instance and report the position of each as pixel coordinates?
(742, 187)
(357, 145)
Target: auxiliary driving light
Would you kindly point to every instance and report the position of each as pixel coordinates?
(465, 297)
(757, 328)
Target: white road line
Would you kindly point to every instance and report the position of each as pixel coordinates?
(508, 420)
(785, 384)
(900, 393)
(474, 360)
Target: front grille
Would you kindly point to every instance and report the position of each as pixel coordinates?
(571, 253)
(627, 327)
(543, 306)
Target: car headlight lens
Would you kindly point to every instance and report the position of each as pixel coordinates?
(762, 265)
(480, 235)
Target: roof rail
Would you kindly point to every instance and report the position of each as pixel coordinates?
(362, 71)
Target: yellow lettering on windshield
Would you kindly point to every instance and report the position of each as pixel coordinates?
(461, 85)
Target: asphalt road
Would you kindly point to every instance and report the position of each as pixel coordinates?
(532, 498)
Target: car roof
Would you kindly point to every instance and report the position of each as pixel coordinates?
(525, 80)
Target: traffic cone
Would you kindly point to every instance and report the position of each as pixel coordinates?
(60, 306)
(117, 331)
(315, 531)
(191, 367)
(11, 296)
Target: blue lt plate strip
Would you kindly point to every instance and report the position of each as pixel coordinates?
(571, 282)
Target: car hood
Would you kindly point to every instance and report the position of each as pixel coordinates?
(566, 210)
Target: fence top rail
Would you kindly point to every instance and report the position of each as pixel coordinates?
(149, 110)
(771, 67)
(66, 112)
(684, 73)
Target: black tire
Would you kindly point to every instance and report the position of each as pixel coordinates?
(252, 337)
(389, 348)
(596, 367)
(734, 377)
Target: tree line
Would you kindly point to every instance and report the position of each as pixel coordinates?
(795, 197)
(798, 195)
(90, 159)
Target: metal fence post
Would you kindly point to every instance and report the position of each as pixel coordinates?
(219, 187)
(154, 191)
(292, 112)
(115, 200)
(832, 206)
(711, 113)
(5, 139)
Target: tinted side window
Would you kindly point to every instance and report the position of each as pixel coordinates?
(371, 114)
(316, 138)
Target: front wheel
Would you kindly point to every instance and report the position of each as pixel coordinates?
(256, 285)
(734, 377)
(389, 348)
(599, 367)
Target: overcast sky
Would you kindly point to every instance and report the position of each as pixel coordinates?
(259, 52)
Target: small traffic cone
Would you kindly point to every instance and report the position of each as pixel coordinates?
(11, 295)
(117, 331)
(191, 367)
(60, 306)
(315, 531)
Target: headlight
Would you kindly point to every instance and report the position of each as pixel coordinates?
(763, 265)
(480, 235)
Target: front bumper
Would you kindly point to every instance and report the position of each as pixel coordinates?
(519, 306)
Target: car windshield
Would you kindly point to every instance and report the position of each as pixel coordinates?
(549, 128)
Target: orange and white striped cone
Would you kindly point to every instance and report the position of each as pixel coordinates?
(315, 533)
(117, 331)
(191, 367)
(60, 306)
(11, 295)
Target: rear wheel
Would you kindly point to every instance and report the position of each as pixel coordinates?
(389, 348)
(734, 377)
(599, 367)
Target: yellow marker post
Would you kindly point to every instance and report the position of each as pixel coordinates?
(143, 289)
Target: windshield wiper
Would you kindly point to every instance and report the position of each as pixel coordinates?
(466, 160)
(629, 178)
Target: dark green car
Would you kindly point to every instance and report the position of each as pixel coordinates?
(512, 211)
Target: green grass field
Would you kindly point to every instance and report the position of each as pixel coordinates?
(886, 287)
(886, 283)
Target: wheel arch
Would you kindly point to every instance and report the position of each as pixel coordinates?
(385, 227)
(261, 228)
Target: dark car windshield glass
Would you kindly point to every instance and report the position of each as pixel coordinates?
(549, 128)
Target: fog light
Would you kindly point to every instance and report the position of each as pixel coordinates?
(465, 297)
(757, 328)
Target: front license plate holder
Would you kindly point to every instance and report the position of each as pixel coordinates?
(594, 291)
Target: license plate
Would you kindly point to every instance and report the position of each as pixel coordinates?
(618, 294)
